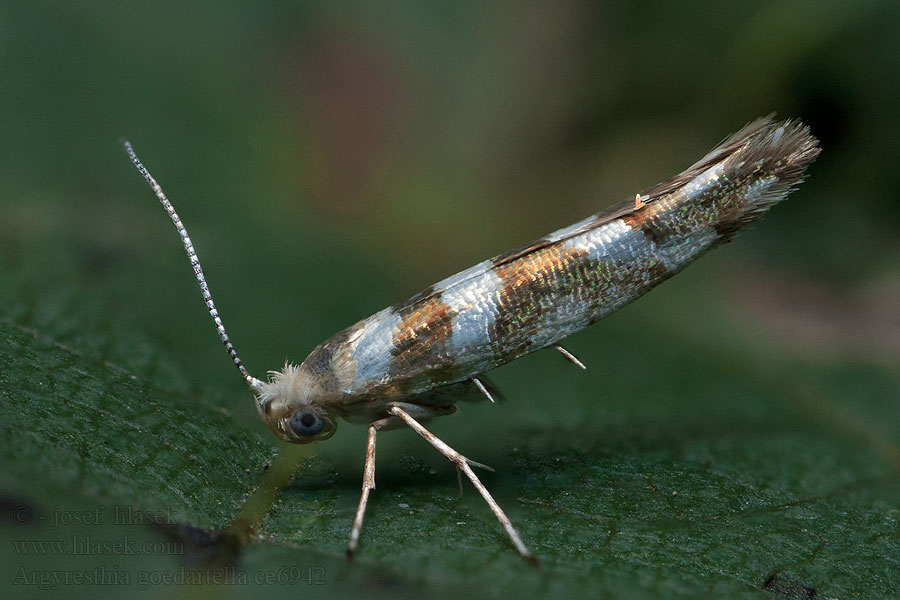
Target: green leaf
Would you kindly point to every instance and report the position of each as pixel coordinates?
(91, 426)
(691, 480)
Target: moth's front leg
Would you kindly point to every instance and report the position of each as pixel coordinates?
(368, 483)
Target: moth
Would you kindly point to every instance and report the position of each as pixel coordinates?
(416, 359)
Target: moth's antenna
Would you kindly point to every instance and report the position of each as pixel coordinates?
(255, 384)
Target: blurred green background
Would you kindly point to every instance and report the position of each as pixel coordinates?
(737, 433)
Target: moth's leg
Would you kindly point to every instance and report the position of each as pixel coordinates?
(486, 388)
(569, 356)
(417, 411)
(483, 389)
(368, 483)
(420, 413)
(462, 463)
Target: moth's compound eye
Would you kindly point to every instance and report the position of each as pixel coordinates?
(306, 422)
(304, 425)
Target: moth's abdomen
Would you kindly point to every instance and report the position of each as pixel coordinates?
(535, 296)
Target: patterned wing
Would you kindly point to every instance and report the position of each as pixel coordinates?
(536, 295)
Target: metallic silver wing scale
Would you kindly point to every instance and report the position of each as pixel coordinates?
(416, 359)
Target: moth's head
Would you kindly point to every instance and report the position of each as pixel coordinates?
(291, 402)
(288, 403)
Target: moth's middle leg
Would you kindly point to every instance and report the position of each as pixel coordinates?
(368, 483)
(464, 464)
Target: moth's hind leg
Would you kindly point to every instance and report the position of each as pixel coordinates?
(569, 356)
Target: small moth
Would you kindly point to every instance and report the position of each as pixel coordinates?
(416, 359)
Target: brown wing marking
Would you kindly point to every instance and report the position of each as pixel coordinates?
(419, 344)
(728, 146)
